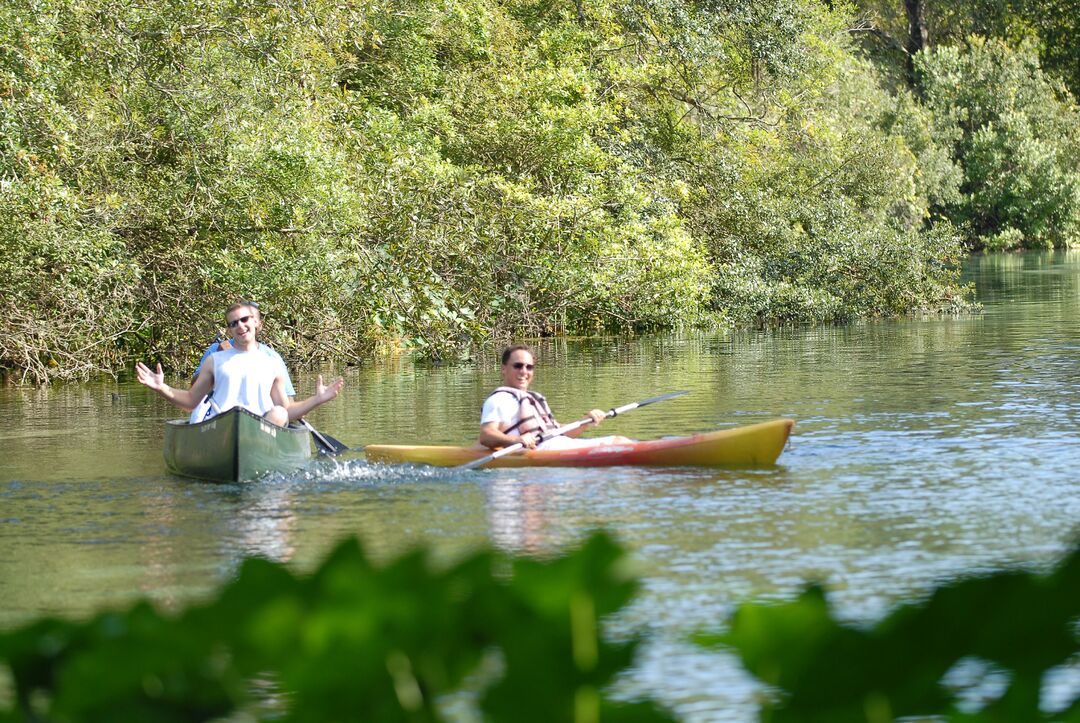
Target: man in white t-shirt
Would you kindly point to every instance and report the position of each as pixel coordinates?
(204, 410)
(512, 414)
(222, 344)
(241, 377)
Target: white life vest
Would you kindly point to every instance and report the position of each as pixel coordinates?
(533, 411)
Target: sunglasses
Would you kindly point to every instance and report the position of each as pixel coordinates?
(523, 365)
(243, 319)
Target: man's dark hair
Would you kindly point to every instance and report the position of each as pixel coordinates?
(516, 347)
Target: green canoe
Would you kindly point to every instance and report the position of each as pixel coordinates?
(234, 446)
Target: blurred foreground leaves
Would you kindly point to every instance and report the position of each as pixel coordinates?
(500, 639)
(982, 648)
(350, 641)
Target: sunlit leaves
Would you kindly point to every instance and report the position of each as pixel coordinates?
(432, 176)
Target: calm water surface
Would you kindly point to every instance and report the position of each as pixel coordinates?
(922, 449)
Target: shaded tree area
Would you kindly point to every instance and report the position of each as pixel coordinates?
(999, 81)
(1048, 26)
(438, 176)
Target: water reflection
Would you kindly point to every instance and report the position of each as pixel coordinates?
(517, 516)
(265, 521)
(923, 448)
(528, 512)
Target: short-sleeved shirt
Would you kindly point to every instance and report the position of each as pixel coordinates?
(502, 408)
(205, 408)
(216, 347)
(243, 379)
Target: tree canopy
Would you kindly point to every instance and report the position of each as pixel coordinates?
(437, 175)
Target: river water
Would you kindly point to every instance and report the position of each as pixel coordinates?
(923, 449)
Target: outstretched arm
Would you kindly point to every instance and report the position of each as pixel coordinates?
(183, 398)
(323, 394)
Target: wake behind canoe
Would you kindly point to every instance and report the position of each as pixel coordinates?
(747, 446)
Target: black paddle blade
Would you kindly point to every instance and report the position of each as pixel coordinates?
(337, 445)
(325, 443)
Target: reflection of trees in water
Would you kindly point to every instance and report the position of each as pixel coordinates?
(161, 555)
(184, 553)
(1007, 278)
(47, 432)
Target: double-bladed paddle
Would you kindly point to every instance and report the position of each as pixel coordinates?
(325, 443)
(559, 431)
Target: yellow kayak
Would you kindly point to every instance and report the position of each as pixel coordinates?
(747, 446)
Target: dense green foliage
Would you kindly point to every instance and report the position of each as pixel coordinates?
(436, 175)
(985, 648)
(1050, 27)
(1017, 139)
(997, 80)
(350, 641)
(439, 174)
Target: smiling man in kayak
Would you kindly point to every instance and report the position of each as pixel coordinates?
(512, 414)
(241, 377)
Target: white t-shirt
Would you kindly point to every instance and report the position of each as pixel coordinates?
(241, 379)
(501, 407)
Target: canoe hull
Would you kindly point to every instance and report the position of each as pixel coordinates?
(748, 446)
(234, 446)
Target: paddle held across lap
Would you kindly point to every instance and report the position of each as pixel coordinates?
(559, 431)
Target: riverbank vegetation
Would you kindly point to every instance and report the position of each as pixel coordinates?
(502, 639)
(438, 175)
